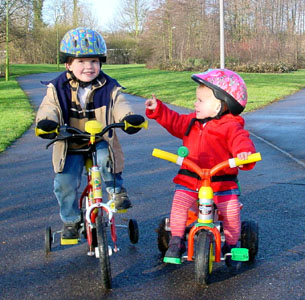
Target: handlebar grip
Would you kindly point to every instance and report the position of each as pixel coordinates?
(235, 162)
(174, 158)
(39, 131)
(142, 125)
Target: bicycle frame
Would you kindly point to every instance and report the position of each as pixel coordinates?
(205, 194)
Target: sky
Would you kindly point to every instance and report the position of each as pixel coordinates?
(104, 10)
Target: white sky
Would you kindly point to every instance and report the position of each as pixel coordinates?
(104, 10)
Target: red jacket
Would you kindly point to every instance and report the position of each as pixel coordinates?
(208, 144)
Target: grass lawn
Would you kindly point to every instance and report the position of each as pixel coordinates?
(178, 88)
(16, 113)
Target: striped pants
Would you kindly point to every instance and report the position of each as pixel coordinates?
(228, 206)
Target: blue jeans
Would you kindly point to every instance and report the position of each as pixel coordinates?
(67, 183)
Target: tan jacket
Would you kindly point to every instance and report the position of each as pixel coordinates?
(50, 109)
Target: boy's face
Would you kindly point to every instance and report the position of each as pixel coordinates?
(206, 105)
(85, 69)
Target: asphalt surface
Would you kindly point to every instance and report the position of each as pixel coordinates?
(272, 194)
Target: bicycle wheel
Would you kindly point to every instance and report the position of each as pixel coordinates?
(163, 237)
(249, 238)
(48, 240)
(204, 257)
(133, 231)
(104, 260)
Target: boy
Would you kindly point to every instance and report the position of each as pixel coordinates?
(83, 93)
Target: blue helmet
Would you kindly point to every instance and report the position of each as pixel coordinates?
(83, 42)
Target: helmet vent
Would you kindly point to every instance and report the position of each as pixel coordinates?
(75, 43)
(87, 42)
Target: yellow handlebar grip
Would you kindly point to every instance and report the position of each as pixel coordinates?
(165, 155)
(142, 125)
(39, 131)
(251, 158)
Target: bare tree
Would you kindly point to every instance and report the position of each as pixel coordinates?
(133, 15)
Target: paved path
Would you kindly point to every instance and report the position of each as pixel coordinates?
(273, 194)
(282, 124)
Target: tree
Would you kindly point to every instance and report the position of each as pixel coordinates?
(133, 16)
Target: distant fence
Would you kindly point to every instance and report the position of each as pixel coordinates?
(120, 56)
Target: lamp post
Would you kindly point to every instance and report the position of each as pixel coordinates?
(222, 42)
(57, 40)
(7, 67)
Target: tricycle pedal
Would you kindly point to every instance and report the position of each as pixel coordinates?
(172, 260)
(240, 254)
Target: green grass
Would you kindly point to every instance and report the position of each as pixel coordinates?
(16, 113)
(178, 88)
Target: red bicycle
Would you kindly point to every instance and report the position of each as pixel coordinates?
(96, 215)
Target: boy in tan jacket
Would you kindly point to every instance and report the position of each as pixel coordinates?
(83, 93)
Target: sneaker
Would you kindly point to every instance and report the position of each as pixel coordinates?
(121, 199)
(231, 264)
(70, 231)
(175, 250)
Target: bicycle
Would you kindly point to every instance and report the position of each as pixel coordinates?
(96, 216)
(207, 226)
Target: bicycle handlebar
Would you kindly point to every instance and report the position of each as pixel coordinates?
(231, 163)
(93, 129)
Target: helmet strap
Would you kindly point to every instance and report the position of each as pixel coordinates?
(222, 111)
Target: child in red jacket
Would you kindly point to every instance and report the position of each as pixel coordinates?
(213, 133)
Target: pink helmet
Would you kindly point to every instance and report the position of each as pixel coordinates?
(227, 86)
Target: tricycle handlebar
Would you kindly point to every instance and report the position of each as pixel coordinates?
(231, 163)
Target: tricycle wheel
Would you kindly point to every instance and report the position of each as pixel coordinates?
(204, 257)
(103, 252)
(249, 238)
(133, 231)
(48, 239)
(163, 237)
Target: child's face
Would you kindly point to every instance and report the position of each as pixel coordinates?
(85, 69)
(206, 104)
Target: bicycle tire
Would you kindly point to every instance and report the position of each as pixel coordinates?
(203, 257)
(104, 261)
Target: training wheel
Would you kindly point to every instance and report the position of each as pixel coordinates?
(48, 240)
(133, 231)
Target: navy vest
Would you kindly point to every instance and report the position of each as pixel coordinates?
(101, 97)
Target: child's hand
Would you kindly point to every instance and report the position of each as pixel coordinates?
(243, 156)
(151, 104)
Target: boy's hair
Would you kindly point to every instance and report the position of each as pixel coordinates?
(69, 60)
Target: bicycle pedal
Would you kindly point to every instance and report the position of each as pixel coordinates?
(68, 241)
(172, 260)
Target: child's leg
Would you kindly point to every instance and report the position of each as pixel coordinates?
(230, 211)
(65, 188)
(112, 181)
(183, 200)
